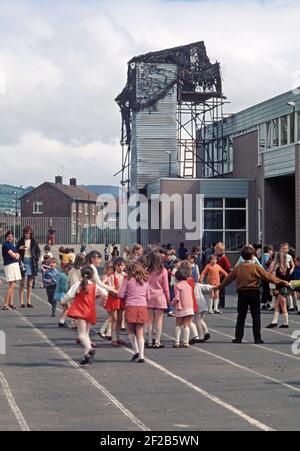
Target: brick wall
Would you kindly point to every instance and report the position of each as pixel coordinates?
(280, 210)
(55, 204)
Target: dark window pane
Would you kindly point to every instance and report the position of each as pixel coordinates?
(235, 203)
(212, 238)
(213, 203)
(292, 128)
(213, 219)
(284, 130)
(235, 220)
(234, 241)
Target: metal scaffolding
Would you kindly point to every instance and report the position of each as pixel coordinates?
(200, 125)
(200, 108)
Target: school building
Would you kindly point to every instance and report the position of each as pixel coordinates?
(176, 139)
(255, 197)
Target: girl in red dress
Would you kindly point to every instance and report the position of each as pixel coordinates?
(83, 309)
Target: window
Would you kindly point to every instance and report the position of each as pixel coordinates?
(235, 203)
(260, 220)
(74, 207)
(79, 208)
(213, 219)
(269, 140)
(262, 141)
(235, 219)
(292, 128)
(93, 209)
(213, 203)
(219, 157)
(226, 220)
(284, 130)
(86, 209)
(275, 127)
(38, 208)
(235, 241)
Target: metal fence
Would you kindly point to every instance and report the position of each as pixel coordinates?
(66, 232)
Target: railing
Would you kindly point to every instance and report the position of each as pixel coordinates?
(66, 232)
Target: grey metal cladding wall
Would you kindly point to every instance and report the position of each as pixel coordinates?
(262, 112)
(154, 188)
(224, 188)
(155, 134)
(279, 161)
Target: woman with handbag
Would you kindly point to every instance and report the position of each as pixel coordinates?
(30, 253)
(12, 272)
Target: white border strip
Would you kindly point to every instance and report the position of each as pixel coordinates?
(12, 403)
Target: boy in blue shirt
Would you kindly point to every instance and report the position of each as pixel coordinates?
(50, 279)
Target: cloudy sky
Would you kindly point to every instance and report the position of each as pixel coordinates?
(62, 63)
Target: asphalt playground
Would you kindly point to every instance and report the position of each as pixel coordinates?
(216, 386)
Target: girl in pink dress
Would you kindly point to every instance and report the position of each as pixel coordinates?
(184, 306)
(135, 293)
(159, 296)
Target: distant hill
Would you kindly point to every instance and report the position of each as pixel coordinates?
(104, 189)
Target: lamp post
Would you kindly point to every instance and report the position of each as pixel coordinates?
(170, 160)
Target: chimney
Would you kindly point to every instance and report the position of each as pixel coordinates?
(58, 180)
(73, 182)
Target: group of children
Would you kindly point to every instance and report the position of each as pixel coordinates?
(142, 288)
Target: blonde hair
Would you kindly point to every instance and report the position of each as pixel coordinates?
(281, 262)
(220, 246)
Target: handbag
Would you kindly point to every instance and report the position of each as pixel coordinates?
(22, 268)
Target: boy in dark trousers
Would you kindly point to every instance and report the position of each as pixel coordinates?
(50, 281)
(247, 276)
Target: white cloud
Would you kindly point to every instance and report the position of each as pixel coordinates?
(63, 62)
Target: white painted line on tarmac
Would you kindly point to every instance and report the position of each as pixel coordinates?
(213, 398)
(237, 365)
(12, 403)
(93, 381)
(263, 328)
(85, 374)
(274, 351)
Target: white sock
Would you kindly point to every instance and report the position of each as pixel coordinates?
(298, 306)
(216, 304)
(210, 305)
(158, 334)
(150, 330)
(186, 335)
(199, 327)
(104, 327)
(62, 321)
(275, 318)
(285, 317)
(204, 327)
(108, 329)
(289, 301)
(177, 334)
(194, 331)
(141, 345)
(134, 344)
